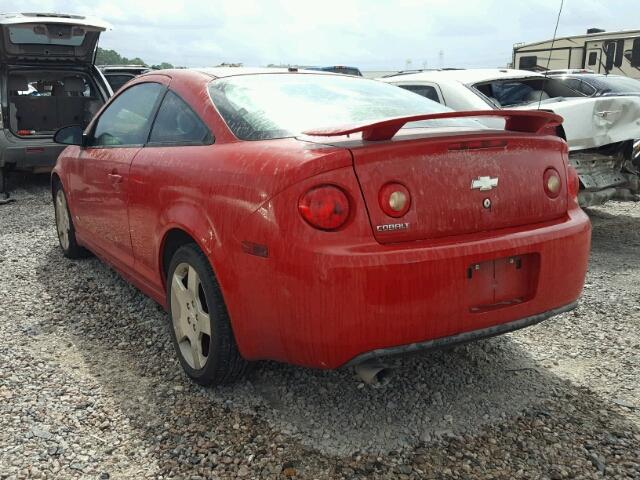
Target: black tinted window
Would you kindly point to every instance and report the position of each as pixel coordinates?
(177, 123)
(571, 83)
(426, 91)
(587, 89)
(578, 85)
(593, 58)
(117, 81)
(127, 119)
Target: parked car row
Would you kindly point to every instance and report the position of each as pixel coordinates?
(51, 87)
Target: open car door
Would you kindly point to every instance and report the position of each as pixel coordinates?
(47, 37)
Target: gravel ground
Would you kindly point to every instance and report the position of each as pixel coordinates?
(90, 386)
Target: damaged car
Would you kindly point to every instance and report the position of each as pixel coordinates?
(47, 80)
(602, 132)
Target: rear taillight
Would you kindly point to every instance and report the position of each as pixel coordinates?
(394, 199)
(552, 182)
(573, 182)
(325, 207)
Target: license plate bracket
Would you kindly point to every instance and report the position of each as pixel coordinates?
(502, 282)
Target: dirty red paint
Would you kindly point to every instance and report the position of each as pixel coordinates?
(319, 298)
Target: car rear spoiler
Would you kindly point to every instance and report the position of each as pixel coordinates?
(533, 121)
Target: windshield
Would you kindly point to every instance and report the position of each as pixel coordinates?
(267, 106)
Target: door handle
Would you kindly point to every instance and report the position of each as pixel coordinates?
(115, 178)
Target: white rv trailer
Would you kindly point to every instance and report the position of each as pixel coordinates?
(602, 52)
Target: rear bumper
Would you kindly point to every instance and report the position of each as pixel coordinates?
(28, 154)
(317, 304)
(461, 338)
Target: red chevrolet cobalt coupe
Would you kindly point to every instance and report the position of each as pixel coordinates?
(319, 219)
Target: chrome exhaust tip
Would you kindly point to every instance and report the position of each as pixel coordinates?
(374, 373)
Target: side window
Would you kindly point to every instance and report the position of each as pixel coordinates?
(426, 91)
(587, 89)
(126, 121)
(176, 123)
(572, 83)
(593, 58)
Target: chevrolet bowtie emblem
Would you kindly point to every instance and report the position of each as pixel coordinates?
(606, 114)
(484, 183)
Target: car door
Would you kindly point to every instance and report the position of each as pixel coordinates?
(101, 188)
(167, 173)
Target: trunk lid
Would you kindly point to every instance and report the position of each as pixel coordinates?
(462, 180)
(458, 186)
(48, 37)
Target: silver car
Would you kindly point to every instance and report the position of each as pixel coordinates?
(47, 80)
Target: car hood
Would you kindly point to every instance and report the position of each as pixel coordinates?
(43, 37)
(594, 122)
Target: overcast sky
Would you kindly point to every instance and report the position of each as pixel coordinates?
(370, 34)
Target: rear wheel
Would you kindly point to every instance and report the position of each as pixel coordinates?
(64, 226)
(202, 333)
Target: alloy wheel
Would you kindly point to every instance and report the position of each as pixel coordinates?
(190, 316)
(63, 223)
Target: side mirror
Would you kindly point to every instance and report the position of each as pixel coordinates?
(71, 135)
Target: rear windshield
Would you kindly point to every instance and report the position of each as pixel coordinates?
(47, 34)
(266, 106)
(614, 84)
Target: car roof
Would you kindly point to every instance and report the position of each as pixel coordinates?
(468, 76)
(60, 18)
(588, 75)
(222, 72)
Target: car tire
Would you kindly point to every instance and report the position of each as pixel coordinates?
(200, 325)
(64, 225)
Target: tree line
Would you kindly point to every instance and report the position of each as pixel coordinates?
(111, 57)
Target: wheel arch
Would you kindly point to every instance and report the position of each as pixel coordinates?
(173, 238)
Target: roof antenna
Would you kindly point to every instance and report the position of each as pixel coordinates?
(555, 32)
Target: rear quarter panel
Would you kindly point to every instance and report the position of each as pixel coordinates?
(208, 191)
